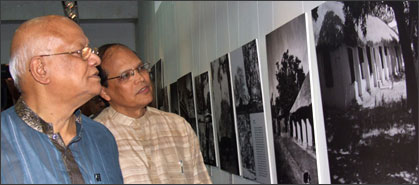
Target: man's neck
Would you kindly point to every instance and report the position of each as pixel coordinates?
(60, 115)
(130, 112)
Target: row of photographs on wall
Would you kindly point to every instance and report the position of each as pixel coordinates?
(208, 105)
(369, 97)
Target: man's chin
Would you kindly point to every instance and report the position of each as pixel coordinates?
(95, 90)
(146, 101)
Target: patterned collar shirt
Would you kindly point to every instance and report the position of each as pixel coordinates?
(32, 153)
(159, 147)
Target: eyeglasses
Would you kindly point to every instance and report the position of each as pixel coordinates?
(84, 53)
(126, 75)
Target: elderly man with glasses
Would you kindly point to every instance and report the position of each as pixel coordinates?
(44, 137)
(154, 146)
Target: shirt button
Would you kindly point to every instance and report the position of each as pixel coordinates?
(54, 136)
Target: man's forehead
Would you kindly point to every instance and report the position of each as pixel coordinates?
(120, 59)
(77, 42)
(67, 42)
(119, 53)
(50, 33)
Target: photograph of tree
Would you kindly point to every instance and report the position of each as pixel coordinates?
(248, 102)
(159, 85)
(366, 53)
(153, 82)
(223, 114)
(186, 99)
(291, 105)
(174, 100)
(203, 111)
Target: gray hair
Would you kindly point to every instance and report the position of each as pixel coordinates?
(17, 64)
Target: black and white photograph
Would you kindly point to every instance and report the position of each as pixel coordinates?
(153, 82)
(159, 85)
(291, 105)
(203, 111)
(174, 100)
(366, 53)
(186, 100)
(246, 79)
(223, 114)
(246, 146)
(165, 106)
(248, 101)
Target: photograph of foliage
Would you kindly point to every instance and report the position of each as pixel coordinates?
(159, 85)
(248, 102)
(367, 53)
(153, 82)
(165, 106)
(186, 100)
(174, 100)
(203, 111)
(223, 114)
(246, 79)
(246, 146)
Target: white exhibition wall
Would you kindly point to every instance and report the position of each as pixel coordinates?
(187, 36)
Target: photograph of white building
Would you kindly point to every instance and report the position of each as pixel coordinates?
(370, 116)
(289, 88)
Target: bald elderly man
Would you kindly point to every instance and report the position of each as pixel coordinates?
(44, 137)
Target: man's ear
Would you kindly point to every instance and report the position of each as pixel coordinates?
(39, 71)
(104, 94)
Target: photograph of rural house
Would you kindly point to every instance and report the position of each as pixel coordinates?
(366, 53)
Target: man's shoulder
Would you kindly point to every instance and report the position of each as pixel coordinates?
(177, 122)
(94, 126)
(98, 133)
(171, 116)
(106, 115)
(8, 117)
(101, 116)
(8, 112)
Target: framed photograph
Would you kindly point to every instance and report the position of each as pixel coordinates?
(223, 115)
(291, 105)
(153, 82)
(247, 88)
(369, 90)
(186, 100)
(159, 85)
(204, 115)
(165, 106)
(174, 100)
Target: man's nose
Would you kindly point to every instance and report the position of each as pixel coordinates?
(138, 76)
(94, 60)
